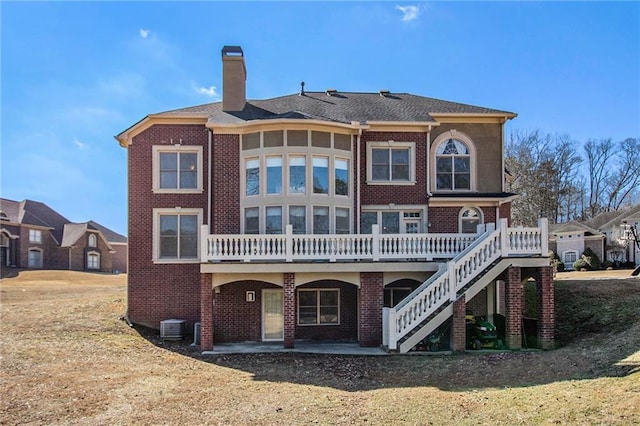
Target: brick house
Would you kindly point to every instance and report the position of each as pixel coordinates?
(368, 217)
(34, 236)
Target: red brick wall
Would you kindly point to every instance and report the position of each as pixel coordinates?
(160, 291)
(398, 194)
(206, 313)
(119, 258)
(505, 212)
(226, 184)
(235, 319)
(289, 300)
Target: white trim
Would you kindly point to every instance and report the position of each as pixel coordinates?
(473, 174)
(470, 207)
(177, 148)
(37, 236)
(157, 212)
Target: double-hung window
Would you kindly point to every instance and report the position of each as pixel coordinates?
(177, 168)
(35, 236)
(341, 171)
(319, 307)
(390, 162)
(176, 234)
(252, 176)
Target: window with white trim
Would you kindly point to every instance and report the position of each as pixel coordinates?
(274, 175)
(176, 235)
(93, 260)
(320, 220)
(570, 257)
(297, 174)
(35, 258)
(177, 168)
(252, 176)
(470, 218)
(318, 307)
(391, 162)
(274, 220)
(93, 241)
(320, 175)
(35, 236)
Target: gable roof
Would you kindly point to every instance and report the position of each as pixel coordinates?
(632, 214)
(110, 235)
(573, 226)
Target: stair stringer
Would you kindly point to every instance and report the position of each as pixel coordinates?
(487, 278)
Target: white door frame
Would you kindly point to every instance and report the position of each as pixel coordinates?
(265, 292)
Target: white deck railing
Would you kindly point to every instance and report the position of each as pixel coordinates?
(442, 287)
(290, 247)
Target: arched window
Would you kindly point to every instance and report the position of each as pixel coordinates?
(453, 165)
(93, 241)
(35, 258)
(470, 218)
(93, 260)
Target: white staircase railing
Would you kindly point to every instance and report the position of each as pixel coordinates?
(442, 288)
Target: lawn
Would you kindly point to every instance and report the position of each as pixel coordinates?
(67, 358)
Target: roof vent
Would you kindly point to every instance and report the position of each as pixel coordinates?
(384, 92)
(172, 329)
(331, 92)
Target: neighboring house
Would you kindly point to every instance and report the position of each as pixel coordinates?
(620, 248)
(570, 240)
(369, 217)
(33, 235)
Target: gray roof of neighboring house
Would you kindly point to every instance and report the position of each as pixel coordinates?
(65, 232)
(573, 226)
(632, 214)
(340, 107)
(111, 236)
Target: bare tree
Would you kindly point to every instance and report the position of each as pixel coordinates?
(544, 170)
(598, 155)
(624, 182)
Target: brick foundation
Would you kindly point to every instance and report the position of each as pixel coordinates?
(371, 300)
(545, 302)
(514, 305)
(459, 326)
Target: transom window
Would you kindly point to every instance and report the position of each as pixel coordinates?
(35, 236)
(177, 168)
(319, 307)
(453, 165)
(470, 218)
(176, 234)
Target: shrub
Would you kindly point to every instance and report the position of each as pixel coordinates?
(607, 264)
(591, 258)
(581, 264)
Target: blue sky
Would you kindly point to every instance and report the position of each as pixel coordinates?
(75, 74)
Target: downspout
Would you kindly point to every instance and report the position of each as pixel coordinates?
(358, 178)
(209, 198)
(428, 170)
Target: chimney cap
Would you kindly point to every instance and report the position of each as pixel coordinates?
(232, 51)
(331, 92)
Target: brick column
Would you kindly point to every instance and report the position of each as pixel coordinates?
(459, 325)
(206, 312)
(371, 302)
(289, 290)
(546, 307)
(513, 302)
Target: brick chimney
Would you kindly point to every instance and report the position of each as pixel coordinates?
(234, 77)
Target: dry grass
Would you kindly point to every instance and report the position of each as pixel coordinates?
(68, 359)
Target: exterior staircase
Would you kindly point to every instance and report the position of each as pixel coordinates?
(431, 304)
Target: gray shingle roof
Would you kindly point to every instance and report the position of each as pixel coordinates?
(341, 107)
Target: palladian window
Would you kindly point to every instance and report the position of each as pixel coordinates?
(453, 165)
